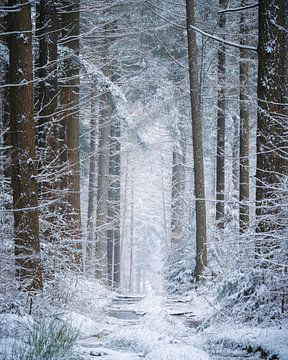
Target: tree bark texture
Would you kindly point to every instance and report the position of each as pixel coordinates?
(131, 245)
(114, 255)
(92, 187)
(244, 209)
(108, 235)
(70, 122)
(48, 29)
(220, 159)
(271, 123)
(102, 190)
(199, 180)
(177, 209)
(24, 184)
(5, 111)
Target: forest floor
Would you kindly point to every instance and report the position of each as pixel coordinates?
(135, 327)
(114, 326)
(160, 328)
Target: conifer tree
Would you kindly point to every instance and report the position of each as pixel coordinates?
(197, 133)
(24, 179)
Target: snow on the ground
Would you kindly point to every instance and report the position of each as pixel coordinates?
(154, 336)
(161, 328)
(272, 340)
(107, 354)
(162, 335)
(13, 324)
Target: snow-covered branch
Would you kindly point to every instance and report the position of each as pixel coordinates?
(226, 42)
(241, 8)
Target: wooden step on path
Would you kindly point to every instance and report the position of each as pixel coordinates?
(125, 314)
(127, 299)
(122, 309)
(175, 309)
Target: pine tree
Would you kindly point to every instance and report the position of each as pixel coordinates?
(24, 183)
(244, 216)
(92, 187)
(199, 179)
(271, 124)
(69, 93)
(221, 104)
(114, 192)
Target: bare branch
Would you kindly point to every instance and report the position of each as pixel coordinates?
(238, 9)
(229, 43)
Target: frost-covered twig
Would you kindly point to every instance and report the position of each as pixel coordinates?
(218, 311)
(247, 7)
(226, 42)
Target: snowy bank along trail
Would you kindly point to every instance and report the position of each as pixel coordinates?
(159, 328)
(114, 326)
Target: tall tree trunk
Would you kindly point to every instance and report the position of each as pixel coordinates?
(235, 154)
(5, 111)
(177, 199)
(102, 190)
(131, 247)
(199, 180)
(5, 140)
(105, 247)
(92, 185)
(124, 221)
(114, 203)
(70, 88)
(47, 136)
(286, 57)
(271, 124)
(164, 206)
(114, 191)
(244, 212)
(25, 192)
(48, 36)
(220, 160)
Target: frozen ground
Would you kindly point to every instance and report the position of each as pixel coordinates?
(140, 329)
(159, 328)
(125, 327)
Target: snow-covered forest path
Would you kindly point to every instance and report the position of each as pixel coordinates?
(150, 328)
(154, 328)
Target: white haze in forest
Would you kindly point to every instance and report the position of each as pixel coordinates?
(116, 73)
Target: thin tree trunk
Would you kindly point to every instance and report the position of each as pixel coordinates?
(70, 123)
(113, 234)
(114, 202)
(244, 212)
(103, 185)
(235, 154)
(177, 203)
(124, 218)
(131, 250)
(104, 247)
(199, 180)
(25, 192)
(102, 191)
(220, 161)
(92, 185)
(164, 206)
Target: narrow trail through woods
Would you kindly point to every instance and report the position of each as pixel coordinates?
(136, 327)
